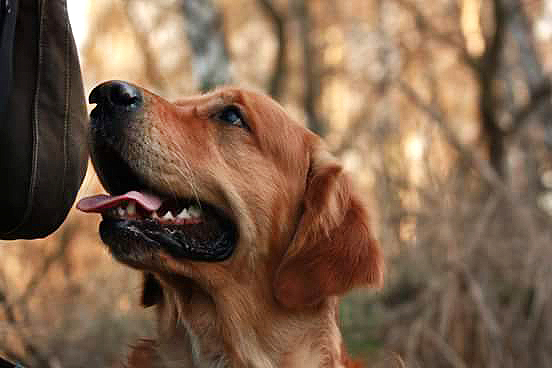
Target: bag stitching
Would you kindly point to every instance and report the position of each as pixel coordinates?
(36, 142)
(66, 107)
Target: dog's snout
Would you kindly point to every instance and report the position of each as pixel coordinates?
(117, 94)
(119, 107)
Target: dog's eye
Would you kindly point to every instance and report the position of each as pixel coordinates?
(232, 115)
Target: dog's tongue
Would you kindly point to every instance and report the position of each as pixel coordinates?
(101, 202)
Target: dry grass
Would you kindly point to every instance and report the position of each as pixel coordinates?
(469, 287)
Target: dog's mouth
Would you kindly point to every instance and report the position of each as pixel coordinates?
(138, 220)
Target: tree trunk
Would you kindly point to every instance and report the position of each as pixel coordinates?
(204, 27)
(312, 79)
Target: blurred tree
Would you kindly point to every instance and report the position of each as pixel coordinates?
(485, 283)
(503, 27)
(204, 27)
(276, 83)
(311, 75)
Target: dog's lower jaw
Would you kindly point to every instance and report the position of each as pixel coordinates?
(200, 337)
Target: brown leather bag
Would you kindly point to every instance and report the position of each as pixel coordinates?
(43, 143)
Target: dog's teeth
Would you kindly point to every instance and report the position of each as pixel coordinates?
(155, 216)
(168, 216)
(131, 209)
(120, 211)
(183, 214)
(194, 211)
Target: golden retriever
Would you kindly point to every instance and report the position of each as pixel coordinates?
(246, 228)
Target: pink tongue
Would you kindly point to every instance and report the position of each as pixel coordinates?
(101, 202)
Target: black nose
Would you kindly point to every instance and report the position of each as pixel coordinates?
(117, 94)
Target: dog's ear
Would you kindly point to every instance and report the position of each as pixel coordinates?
(333, 249)
(152, 292)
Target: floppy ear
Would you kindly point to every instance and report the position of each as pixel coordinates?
(333, 249)
(152, 293)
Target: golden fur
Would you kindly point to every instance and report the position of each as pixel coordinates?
(304, 238)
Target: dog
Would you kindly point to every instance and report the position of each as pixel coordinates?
(246, 228)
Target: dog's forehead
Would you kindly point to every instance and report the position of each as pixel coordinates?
(278, 135)
(219, 96)
(257, 106)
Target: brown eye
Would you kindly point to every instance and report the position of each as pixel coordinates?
(232, 115)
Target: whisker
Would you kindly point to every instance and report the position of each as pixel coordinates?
(189, 177)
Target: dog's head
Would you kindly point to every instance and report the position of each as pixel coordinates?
(226, 189)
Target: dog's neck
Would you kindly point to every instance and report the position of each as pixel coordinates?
(229, 329)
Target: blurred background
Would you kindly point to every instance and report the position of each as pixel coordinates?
(441, 110)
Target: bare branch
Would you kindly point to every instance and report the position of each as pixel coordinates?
(487, 172)
(446, 351)
(482, 166)
(40, 358)
(67, 235)
(34, 352)
(429, 29)
(540, 96)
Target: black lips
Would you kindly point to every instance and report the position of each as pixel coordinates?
(128, 239)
